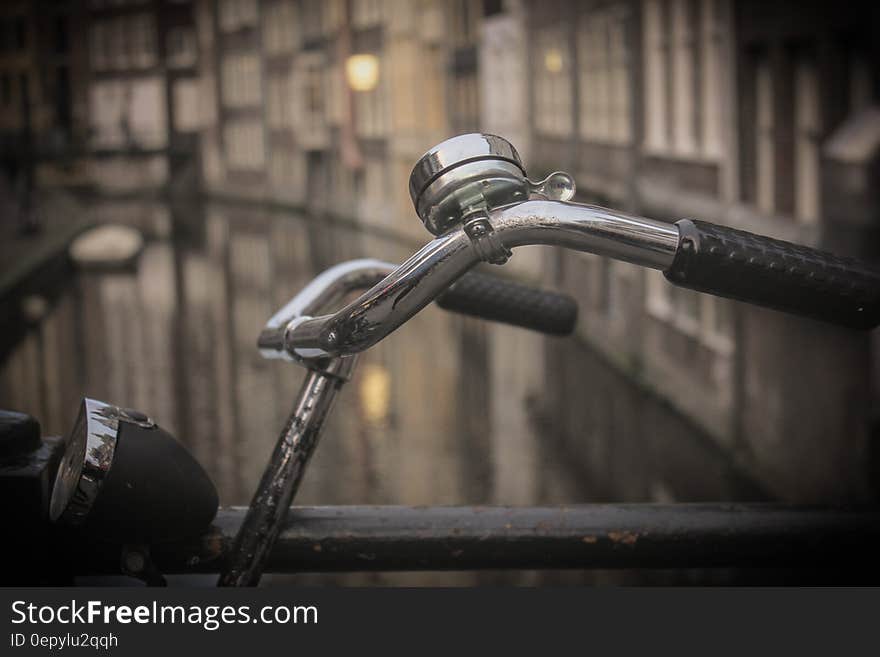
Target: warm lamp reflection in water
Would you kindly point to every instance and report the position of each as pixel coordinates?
(553, 60)
(375, 394)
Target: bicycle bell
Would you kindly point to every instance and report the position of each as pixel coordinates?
(472, 174)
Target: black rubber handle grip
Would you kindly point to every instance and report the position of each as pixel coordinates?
(780, 275)
(501, 300)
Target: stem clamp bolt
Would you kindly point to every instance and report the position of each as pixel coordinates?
(484, 239)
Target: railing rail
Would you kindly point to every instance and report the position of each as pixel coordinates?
(398, 538)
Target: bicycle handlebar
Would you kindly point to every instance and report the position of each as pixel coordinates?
(697, 255)
(780, 275)
(480, 295)
(437, 265)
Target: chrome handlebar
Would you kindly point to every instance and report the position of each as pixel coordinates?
(472, 192)
(398, 293)
(331, 286)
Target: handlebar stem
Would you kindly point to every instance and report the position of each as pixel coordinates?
(281, 479)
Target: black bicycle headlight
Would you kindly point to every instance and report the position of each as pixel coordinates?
(87, 460)
(123, 478)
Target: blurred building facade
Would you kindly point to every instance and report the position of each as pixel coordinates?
(40, 71)
(741, 112)
(42, 83)
(288, 127)
(142, 95)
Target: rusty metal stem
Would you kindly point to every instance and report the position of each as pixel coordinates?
(265, 517)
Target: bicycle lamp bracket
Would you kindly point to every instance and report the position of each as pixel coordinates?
(459, 181)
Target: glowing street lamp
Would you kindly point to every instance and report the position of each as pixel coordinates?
(362, 72)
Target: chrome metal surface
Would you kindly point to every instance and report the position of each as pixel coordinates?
(463, 175)
(476, 173)
(411, 286)
(486, 243)
(471, 187)
(456, 151)
(589, 228)
(268, 510)
(558, 186)
(88, 458)
(331, 286)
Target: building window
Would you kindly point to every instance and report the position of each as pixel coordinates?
(278, 114)
(465, 102)
(686, 309)
(765, 147)
(147, 114)
(684, 105)
(464, 22)
(98, 45)
(141, 37)
(717, 323)
(123, 42)
(429, 101)
(332, 16)
(806, 154)
(552, 87)
(280, 28)
(712, 43)
(309, 95)
(604, 77)
(244, 144)
(701, 316)
(124, 113)
(366, 13)
(656, 48)
(373, 197)
(341, 179)
(241, 80)
(108, 114)
(314, 98)
(683, 74)
(335, 95)
(287, 170)
(180, 47)
(117, 42)
(312, 18)
(610, 289)
(237, 14)
(186, 105)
